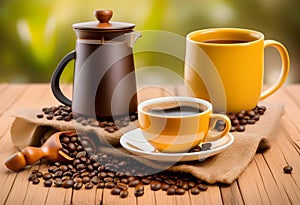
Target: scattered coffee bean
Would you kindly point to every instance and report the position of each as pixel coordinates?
(48, 183)
(134, 183)
(109, 185)
(115, 191)
(47, 176)
(77, 185)
(195, 191)
(155, 185)
(240, 128)
(40, 115)
(180, 191)
(171, 191)
(58, 182)
(88, 185)
(288, 169)
(35, 181)
(138, 192)
(123, 193)
(32, 176)
(202, 187)
(122, 186)
(68, 183)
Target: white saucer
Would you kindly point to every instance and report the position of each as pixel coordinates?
(134, 142)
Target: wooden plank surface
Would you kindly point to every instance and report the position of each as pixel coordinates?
(263, 182)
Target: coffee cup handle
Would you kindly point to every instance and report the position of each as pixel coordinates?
(284, 69)
(213, 120)
(56, 76)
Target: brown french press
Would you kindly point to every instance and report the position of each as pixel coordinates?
(104, 82)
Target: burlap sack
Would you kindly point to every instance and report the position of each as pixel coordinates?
(224, 167)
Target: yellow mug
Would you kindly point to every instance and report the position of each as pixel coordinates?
(226, 67)
(177, 123)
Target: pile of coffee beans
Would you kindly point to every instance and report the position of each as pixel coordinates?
(241, 119)
(63, 112)
(103, 171)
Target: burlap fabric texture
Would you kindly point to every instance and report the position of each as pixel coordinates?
(225, 167)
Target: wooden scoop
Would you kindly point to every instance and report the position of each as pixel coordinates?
(50, 150)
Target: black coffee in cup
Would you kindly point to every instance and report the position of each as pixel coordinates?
(175, 109)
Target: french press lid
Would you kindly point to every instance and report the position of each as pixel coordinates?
(104, 24)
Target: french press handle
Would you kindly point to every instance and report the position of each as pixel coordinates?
(56, 76)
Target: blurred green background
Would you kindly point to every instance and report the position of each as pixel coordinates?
(36, 34)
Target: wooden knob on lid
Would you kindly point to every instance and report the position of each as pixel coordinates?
(103, 16)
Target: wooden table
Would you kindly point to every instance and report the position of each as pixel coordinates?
(263, 182)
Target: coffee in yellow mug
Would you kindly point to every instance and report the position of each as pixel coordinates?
(226, 67)
(178, 123)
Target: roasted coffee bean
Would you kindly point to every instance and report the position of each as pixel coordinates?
(195, 191)
(146, 181)
(131, 178)
(108, 179)
(49, 117)
(109, 185)
(59, 118)
(155, 185)
(251, 121)
(100, 185)
(68, 183)
(134, 183)
(39, 174)
(95, 180)
(40, 115)
(195, 149)
(125, 181)
(80, 166)
(205, 146)
(31, 177)
(138, 192)
(109, 129)
(243, 122)
(123, 193)
(58, 182)
(165, 187)
(240, 128)
(115, 191)
(85, 180)
(288, 169)
(122, 186)
(47, 176)
(64, 168)
(232, 129)
(180, 191)
(58, 174)
(81, 154)
(77, 185)
(47, 183)
(202, 187)
(88, 185)
(52, 168)
(35, 181)
(171, 191)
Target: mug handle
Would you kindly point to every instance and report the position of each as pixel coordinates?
(214, 118)
(56, 76)
(284, 68)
